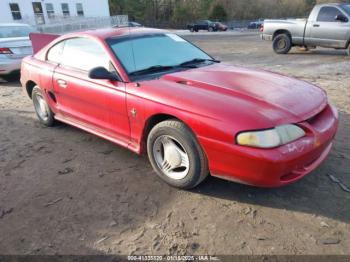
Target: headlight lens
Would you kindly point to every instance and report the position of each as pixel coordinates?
(270, 138)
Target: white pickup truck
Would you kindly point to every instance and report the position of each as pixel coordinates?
(327, 26)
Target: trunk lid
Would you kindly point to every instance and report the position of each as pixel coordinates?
(19, 46)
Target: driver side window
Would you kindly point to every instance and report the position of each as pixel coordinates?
(84, 54)
(80, 53)
(55, 53)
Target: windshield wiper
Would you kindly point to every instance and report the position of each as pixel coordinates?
(159, 68)
(197, 61)
(151, 69)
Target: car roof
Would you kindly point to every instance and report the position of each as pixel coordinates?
(117, 32)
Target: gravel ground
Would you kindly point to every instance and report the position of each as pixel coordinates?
(64, 191)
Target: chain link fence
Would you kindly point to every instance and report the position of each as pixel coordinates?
(66, 25)
(61, 25)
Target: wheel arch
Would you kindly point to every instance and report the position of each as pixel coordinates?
(281, 31)
(348, 44)
(152, 121)
(29, 87)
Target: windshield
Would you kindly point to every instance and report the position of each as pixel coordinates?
(15, 31)
(346, 8)
(157, 50)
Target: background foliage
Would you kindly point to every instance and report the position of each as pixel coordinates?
(179, 12)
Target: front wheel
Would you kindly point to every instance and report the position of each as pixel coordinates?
(211, 29)
(176, 155)
(348, 50)
(282, 44)
(42, 109)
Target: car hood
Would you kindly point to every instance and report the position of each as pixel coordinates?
(224, 89)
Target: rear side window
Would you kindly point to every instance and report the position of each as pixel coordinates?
(328, 14)
(84, 54)
(55, 53)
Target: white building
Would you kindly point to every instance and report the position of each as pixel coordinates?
(43, 12)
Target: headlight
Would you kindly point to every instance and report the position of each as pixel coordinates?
(270, 138)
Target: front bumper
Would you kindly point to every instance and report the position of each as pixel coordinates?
(278, 166)
(9, 66)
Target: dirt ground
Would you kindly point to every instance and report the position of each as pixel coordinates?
(64, 191)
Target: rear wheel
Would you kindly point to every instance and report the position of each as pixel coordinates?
(176, 155)
(211, 29)
(348, 50)
(42, 109)
(282, 44)
(192, 29)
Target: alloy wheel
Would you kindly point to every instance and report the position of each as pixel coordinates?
(171, 157)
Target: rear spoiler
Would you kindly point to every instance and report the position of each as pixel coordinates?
(40, 40)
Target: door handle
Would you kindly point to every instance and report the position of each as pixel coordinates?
(62, 83)
(316, 25)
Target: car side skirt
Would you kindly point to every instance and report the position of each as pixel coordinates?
(100, 133)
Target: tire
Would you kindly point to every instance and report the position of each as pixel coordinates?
(173, 138)
(282, 44)
(348, 50)
(42, 109)
(11, 78)
(211, 29)
(191, 29)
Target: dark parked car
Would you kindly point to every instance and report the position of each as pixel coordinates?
(129, 24)
(256, 24)
(220, 26)
(206, 25)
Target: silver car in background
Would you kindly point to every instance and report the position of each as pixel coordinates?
(327, 26)
(14, 45)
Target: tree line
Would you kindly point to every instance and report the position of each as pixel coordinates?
(177, 13)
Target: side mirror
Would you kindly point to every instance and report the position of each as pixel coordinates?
(341, 18)
(102, 73)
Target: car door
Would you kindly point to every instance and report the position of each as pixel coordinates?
(201, 25)
(326, 30)
(206, 25)
(96, 105)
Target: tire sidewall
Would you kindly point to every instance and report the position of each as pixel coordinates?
(187, 140)
(50, 119)
(288, 46)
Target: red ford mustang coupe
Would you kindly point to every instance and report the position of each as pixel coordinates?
(151, 90)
